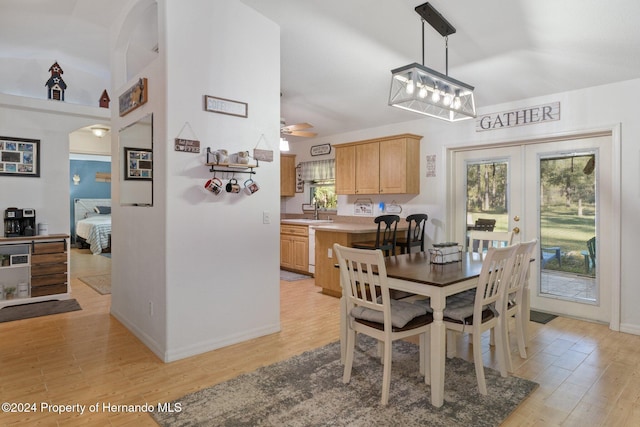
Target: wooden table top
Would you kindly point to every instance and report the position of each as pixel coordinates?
(415, 267)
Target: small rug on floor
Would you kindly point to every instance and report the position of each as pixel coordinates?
(307, 390)
(290, 276)
(101, 283)
(37, 309)
(107, 254)
(540, 317)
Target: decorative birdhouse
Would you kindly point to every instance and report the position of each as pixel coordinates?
(104, 99)
(55, 84)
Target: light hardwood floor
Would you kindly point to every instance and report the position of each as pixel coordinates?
(588, 375)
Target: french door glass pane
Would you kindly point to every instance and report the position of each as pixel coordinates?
(568, 227)
(487, 196)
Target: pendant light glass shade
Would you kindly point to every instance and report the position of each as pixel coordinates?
(422, 90)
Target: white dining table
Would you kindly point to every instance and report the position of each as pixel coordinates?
(414, 273)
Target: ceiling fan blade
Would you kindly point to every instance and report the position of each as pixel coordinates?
(297, 126)
(302, 133)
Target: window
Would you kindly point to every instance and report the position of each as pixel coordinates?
(324, 193)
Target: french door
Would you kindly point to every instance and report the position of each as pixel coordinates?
(558, 192)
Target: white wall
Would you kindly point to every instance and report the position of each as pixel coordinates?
(207, 264)
(583, 110)
(51, 122)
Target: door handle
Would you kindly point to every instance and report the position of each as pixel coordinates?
(516, 230)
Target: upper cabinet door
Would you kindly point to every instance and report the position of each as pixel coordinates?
(367, 168)
(388, 165)
(400, 166)
(345, 169)
(287, 175)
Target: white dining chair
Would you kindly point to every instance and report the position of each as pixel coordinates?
(371, 311)
(479, 240)
(512, 305)
(475, 311)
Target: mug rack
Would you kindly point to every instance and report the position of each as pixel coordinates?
(230, 167)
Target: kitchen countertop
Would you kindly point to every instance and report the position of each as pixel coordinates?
(350, 227)
(304, 221)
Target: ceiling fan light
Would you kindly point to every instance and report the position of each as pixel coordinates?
(284, 144)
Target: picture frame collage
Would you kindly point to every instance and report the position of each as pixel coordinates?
(139, 164)
(19, 157)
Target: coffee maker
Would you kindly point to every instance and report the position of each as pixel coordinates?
(19, 222)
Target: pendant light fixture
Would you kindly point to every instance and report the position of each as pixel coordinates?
(420, 89)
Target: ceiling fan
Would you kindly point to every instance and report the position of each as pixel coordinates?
(296, 130)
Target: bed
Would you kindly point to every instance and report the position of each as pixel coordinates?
(93, 224)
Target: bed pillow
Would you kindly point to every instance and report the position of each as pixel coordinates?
(103, 209)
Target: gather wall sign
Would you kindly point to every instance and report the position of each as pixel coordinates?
(520, 117)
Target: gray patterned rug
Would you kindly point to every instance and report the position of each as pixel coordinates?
(307, 390)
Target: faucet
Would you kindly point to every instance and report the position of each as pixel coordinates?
(316, 214)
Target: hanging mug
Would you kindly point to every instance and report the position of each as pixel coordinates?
(214, 185)
(233, 186)
(250, 186)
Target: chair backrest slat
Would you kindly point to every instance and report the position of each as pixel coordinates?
(481, 240)
(495, 273)
(363, 277)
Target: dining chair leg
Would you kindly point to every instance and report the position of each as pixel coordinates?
(501, 346)
(386, 372)
(521, 334)
(343, 329)
(425, 363)
(477, 360)
(506, 348)
(348, 363)
(451, 343)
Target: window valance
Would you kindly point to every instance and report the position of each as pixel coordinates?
(319, 170)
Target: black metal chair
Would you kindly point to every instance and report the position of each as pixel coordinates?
(484, 224)
(415, 233)
(385, 238)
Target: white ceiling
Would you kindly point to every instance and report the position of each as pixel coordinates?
(336, 55)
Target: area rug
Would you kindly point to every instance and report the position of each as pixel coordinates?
(101, 283)
(307, 390)
(540, 317)
(37, 309)
(290, 276)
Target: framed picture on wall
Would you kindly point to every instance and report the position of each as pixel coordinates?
(139, 164)
(19, 157)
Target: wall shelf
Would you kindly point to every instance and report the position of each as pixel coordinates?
(230, 167)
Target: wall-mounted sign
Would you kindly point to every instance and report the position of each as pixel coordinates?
(225, 106)
(133, 97)
(431, 165)
(319, 150)
(187, 145)
(524, 116)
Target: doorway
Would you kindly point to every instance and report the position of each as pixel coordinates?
(558, 191)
